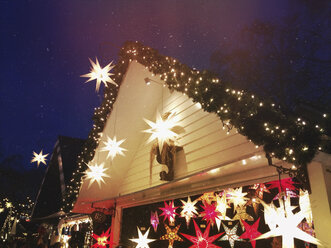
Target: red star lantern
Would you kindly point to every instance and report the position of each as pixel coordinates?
(102, 240)
(169, 212)
(251, 232)
(202, 240)
(282, 185)
(209, 214)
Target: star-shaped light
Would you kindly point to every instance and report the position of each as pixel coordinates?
(202, 240)
(189, 210)
(260, 188)
(9, 205)
(251, 232)
(242, 215)
(271, 214)
(210, 214)
(237, 197)
(39, 158)
(102, 75)
(142, 240)
(112, 146)
(96, 173)
(282, 184)
(171, 235)
(102, 240)
(161, 130)
(169, 212)
(305, 207)
(154, 220)
(230, 235)
(221, 206)
(207, 198)
(288, 229)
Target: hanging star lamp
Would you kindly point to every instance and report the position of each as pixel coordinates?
(154, 220)
(102, 240)
(210, 214)
(101, 75)
(95, 173)
(237, 197)
(305, 207)
(221, 206)
(169, 212)
(271, 214)
(241, 214)
(112, 146)
(202, 240)
(142, 240)
(282, 185)
(230, 235)
(287, 227)
(161, 130)
(171, 235)
(251, 232)
(39, 158)
(189, 210)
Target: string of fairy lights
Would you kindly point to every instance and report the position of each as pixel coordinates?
(293, 140)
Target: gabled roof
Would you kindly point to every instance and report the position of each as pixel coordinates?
(58, 174)
(264, 123)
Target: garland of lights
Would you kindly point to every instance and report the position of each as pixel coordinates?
(264, 123)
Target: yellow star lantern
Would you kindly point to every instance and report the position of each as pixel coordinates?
(112, 146)
(237, 197)
(161, 130)
(143, 240)
(39, 158)
(288, 229)
(102, 75)
(171, 235)
(96, 173)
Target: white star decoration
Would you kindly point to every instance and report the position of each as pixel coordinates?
(305, 207)
(143, 240)
(189, 210)
(221, 206)
(161, 130)
(96, 173)
(39, 158)
(113, 147)
(102, 75)
(230, 235)
(236, 196)
(288, 229)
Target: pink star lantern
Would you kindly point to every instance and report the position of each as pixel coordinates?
(282, 185)
(154, 220)
(202, 240)
(210, 214)
(251, 232)
(169, 212)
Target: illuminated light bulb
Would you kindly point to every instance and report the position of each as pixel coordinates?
(112, 146)
(96, 173)
(39, 158)
(101, 75)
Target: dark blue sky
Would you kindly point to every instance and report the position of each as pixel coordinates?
(45, 46)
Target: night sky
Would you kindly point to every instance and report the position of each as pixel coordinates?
(45, 46)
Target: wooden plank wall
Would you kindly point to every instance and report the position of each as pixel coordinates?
(206, 144)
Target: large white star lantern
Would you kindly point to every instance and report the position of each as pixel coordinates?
(189, 210)
(112, 146)
(143, 240)
(39, 158)
(101, 75)
(237, 197)
(162, 129)
(95, 173)
(287, 227)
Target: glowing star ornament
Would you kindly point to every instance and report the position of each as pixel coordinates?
(161, 130)
(202, 240)
(169, 212)
(112, 146)
(39, 158)
(282, 184)
(142, 240)
(288, 229)
(102, 240)
(221, 206)
(242, 214)
(207, 198)
(154, 220)
(189, 210)
(171, 235)
(237, 197)
(96, 173)
(210, 214)
(305, 207)
(101, 75)
(251, 232)
(230, 235)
